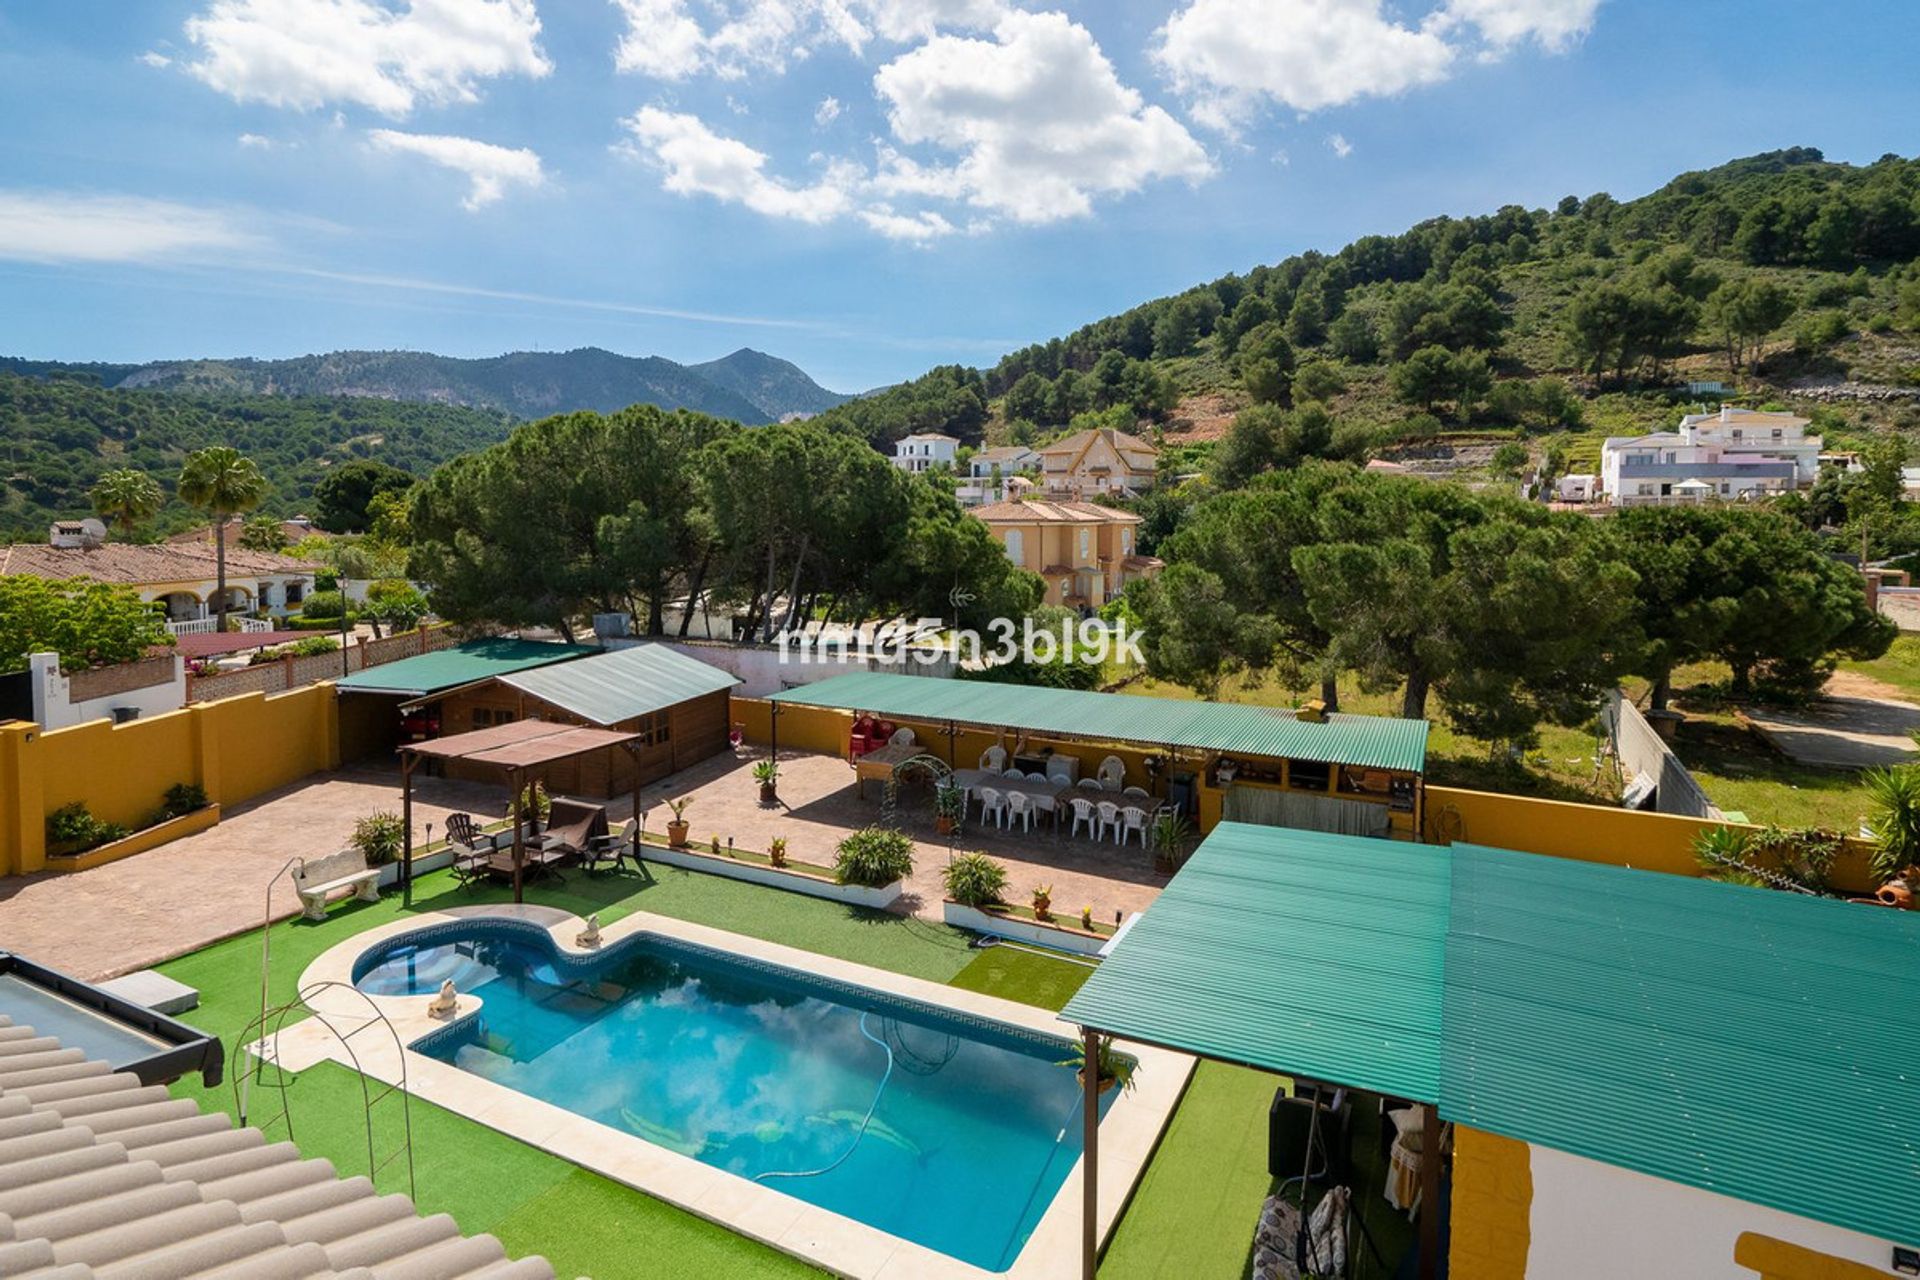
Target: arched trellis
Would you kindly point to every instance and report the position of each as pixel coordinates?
(923, 763)
(262, 1069)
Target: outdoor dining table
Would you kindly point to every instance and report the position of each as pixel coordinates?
(881, 762)
(1047, 796)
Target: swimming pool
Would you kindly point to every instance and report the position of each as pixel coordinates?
(931, 1125)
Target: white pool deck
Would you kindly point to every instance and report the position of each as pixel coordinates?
(1129, 1131)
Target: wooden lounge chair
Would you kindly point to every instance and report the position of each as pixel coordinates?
(614, 849)
(571, 828)
(475, 854)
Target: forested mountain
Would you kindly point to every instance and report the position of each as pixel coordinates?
(746, 386)
(1784, 275)
(57, 437)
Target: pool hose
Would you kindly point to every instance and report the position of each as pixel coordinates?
(864, 1121)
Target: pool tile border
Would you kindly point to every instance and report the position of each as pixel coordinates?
(1129, 1131)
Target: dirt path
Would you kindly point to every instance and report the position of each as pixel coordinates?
(1851, 684)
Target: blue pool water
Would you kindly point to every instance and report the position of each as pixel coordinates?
(767, 1072)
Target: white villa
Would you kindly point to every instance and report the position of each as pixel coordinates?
(925, 451)
(1730, 455)
(998, 474)
(180, 577)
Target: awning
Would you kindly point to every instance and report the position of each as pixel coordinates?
(614, 687)
(520, 744)
(464, 664)
(1295, 951)
(1374, 742)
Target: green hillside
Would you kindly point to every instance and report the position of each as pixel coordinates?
(57, 437)
(1784, 275)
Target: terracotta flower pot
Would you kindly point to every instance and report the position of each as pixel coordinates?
(943, 825)
(1106, 1082)
(677, 833)
(768, 794)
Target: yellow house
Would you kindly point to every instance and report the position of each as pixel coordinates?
(1094, 463)
(1084, 551)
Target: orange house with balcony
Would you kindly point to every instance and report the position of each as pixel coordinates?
(1084, 552)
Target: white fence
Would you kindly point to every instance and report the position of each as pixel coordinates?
(150, 687)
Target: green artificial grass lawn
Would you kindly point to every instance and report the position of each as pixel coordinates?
(1192, 1216)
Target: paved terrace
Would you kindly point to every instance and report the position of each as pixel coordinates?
(141, 910)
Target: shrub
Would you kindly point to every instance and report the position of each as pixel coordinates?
(874, 857)
(182, 798)
(975, 880)
(302, 623)
(72, 829)
(323, 604)
(379, 837)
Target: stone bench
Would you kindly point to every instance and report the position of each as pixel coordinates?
(315, 878)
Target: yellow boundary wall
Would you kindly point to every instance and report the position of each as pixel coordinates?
(235, 749)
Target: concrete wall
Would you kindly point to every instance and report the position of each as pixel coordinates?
(293, 673)
(147, 688)
(235, 749)
(1644, 753)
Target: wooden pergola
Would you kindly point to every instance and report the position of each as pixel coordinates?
(516, 750)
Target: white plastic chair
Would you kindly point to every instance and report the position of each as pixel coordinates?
(1058, 769)
(1019, 809)
(994, 758)
(901, 738)
(1083, 814)
(1112, 773)
(1133, 820)
(1011, 772)
(1088, 784)
(993, 805)
(1036, 777)
(1135, 793)
(1109, 819)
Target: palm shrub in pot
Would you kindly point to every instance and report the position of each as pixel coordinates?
(379, 837)
(874, 857)
(949, 805)
(677, 826)
(767, 774)
(975, 880)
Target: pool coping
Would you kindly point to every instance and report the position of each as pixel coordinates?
(1129, 1131)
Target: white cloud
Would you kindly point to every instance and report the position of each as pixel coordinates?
(731, 39)
(55, 226)
(1039, 120)
(255, 142)
(1339, 145)
(827, 112)
(1555, 24)
(697, 161)
(154, 58)
(490, 169)
(306, 54)
(916, 227)
(1229, 56)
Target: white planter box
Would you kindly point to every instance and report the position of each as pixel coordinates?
(852, 894)
(390, 874)
(1028, 931)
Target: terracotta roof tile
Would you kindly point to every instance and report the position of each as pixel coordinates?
(130, 565)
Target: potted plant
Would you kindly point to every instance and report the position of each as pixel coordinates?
(1115, 1068)
(949, 806)
(1169, 834)
(532, 805)
(1043, 903)
(1086, 918)
(379, 837)
(777, 851)
(767, 774)
(975, 880)
(713, 845)
(677, 827)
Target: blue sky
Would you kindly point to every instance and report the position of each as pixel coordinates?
(866, 187)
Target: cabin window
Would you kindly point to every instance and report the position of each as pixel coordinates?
(654, 730)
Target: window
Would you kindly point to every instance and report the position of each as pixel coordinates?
(1016, 546)
(1086, 544)
(1126, 542)
(654, 730)
(487, 717)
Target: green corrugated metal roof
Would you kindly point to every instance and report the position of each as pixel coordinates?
(1374, 742)
(612, 687)
(1759, 1044)
(1309, 954)
(463, 664)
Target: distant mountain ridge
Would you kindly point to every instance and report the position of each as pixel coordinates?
(749, 386)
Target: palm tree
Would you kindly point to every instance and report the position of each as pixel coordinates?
(222, 483)
(126, 497)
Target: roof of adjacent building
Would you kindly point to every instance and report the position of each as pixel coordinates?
(1298, 952)
(464, 664)
(929, 435)
(1043, 511)
(521, 744)
(101, 1171)
(1373, 742)
(128, 564)
(1748, 1042)
(611, 688)
(1002, 451)
(293, 530)
(1079, 441)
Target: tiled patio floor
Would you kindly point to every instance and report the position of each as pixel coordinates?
(819, 805)
(139, 911)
